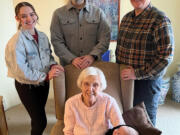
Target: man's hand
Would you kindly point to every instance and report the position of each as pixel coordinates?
(77, 62)
(128, 73)
(87, 60)
(83, 61)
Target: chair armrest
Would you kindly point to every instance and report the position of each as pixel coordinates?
(3, 123)
(58, 128)
(59, 95)
(127, 91)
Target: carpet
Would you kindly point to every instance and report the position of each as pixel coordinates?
(168, 119)
(18, 119)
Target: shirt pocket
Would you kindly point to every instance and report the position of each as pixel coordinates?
(92, 26)
(45, 56)
(32, 59)
(68, 25)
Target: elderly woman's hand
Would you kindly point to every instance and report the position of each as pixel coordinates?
(125, 130)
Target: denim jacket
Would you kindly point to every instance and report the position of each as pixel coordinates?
(28, 61)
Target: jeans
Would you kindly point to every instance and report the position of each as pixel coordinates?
(149, 92)
(34, 98)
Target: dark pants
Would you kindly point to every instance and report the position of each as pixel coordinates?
(149, 92)
(34, 99)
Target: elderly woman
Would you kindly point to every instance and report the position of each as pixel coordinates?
(92, 112)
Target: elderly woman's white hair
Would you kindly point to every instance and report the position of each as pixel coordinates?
(92, 71)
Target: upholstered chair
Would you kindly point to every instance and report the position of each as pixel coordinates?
(65, 86)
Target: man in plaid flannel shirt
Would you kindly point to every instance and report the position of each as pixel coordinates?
(146, 44)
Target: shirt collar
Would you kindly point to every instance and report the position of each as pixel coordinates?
(86, 6)
(29, 36)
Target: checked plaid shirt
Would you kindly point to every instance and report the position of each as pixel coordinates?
(146, 43)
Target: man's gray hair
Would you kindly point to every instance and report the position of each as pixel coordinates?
(92, 71)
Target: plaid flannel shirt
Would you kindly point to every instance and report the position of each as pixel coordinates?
(146, 43)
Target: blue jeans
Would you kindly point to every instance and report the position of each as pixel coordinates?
(149, 92)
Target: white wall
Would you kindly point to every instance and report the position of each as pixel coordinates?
(172, 10)
(8, 28)
(44, 9)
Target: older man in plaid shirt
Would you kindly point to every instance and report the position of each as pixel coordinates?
(146, 44)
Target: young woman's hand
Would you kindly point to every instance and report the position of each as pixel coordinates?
(55, 71)
(59, 67)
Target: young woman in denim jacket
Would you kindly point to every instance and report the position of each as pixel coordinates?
(30, 62)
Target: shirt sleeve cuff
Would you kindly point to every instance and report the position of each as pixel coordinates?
(52, 65)
(137, 74)
(47, 77)
(95, 57)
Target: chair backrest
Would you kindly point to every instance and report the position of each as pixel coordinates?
(65, 85)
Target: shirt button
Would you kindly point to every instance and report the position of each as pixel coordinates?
(80, 38)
